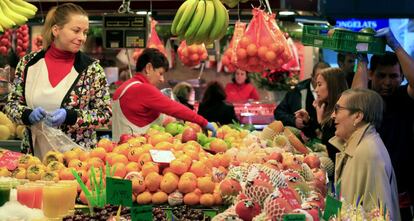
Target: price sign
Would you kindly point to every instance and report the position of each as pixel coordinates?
(333, 206)
(118, 192)
(294, 217)
(162, 156)
(141, 213)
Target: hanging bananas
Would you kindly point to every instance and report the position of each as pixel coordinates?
(200, 21)
(15, 12)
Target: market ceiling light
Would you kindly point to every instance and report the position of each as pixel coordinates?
(287, 13)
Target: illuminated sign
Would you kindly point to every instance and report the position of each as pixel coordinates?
(358, 24)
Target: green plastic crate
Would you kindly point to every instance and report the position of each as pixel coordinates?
(343, 40)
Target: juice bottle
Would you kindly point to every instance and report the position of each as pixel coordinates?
(4, 193)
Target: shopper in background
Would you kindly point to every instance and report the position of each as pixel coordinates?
(214, 107)
(346, 61)
(184, 93)
(61, 82)
(241, 90)
(138, 103)
(302, 97)
(386, 73)
(330, 83)
(363, 166)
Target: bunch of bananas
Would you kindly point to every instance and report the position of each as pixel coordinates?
(200, 21)
(233, 3)
(15, 12)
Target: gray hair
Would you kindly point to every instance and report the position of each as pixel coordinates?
(367, 101)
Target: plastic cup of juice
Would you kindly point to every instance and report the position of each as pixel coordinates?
(26, 195)
(37, 188)
(69, 192)
(53, 201)
(4, 192)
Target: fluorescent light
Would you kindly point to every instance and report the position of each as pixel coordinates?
(286, 13)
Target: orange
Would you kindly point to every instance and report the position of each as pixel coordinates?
(134, 153)
(119, 169)
(191, 199)
(169, 183)
(207, 200)
(186, 159)
(138, 185)
(164, 145)
(159, 197)
(189, 175)
(186, 185)
(98, 152)
(66, 174)
(84, 156)
(152, 181)
(144, 198)
(95, 162)
(122, 149)
(149, 167)
(198, 168)
(70, 155)
(145, 157)
(119, 158)
(217, 198)
(205, 184)
(132, 167)
(178, 167)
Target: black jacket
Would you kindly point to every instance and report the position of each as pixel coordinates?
(220, 112)
(292, 102)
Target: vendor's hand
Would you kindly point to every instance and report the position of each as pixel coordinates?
(389, 36)
(211, 128)
(37, 115)
(57, 118)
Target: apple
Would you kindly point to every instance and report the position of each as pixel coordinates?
(124, 138)
(276, 156)
(230, 187)
(172, 128)
(195, 126)
(218, 145)
(107, 144)
(189, 134)
(312, 160)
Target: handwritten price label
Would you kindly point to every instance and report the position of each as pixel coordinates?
(118, 192)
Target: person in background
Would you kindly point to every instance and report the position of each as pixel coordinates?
(363, 166)
(214, 107)
(61, 82)
(184, 93)
(301, 97)
(346, 61)
(241, 90)
(386, 73)
(138, 103)
(330, 83)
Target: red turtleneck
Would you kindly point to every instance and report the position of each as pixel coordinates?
(59, 64)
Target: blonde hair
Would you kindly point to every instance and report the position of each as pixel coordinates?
(59, 15)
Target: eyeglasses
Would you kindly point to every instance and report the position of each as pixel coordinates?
(339, 107)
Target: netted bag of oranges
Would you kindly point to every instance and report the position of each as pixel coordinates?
(229, 57)
(152, 42)
(192, 55)
(260, 49)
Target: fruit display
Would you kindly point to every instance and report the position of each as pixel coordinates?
(99, 214)
(200, 21)
(228, 58)
(22, 40)
(233, 3)
(186, 213)
(37, 43)
(15, 12)
(192, 55)
(5, 42)
(9, 130)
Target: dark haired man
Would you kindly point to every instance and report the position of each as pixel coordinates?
(137, 103)
(386, 74)
(346, 61)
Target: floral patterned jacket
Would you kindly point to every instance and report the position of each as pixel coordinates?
(87, 102)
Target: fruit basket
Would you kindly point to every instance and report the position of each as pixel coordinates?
(342, 40)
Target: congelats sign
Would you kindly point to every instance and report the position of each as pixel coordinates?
(358, 24)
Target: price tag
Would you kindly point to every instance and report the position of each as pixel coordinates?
(294, 217)
(162, 156)
(333, 206)
(118, 192)
(141, 213)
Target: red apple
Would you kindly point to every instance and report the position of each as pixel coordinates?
(313, 161)
(125, 137)
(189, 134)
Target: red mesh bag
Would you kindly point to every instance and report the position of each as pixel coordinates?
(5, 42)
(229, 56)
(260, 48)
(285, 51)
(192, 55)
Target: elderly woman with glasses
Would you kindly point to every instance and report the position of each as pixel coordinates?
(363, 167)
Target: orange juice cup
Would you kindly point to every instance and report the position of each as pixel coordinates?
(26, 195)
(53, 201)
(69, 193)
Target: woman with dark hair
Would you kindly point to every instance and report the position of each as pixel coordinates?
(241, 90)
(138, 103)
(184, 93)
(214, 107)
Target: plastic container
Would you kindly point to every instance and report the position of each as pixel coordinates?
(343, 40)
